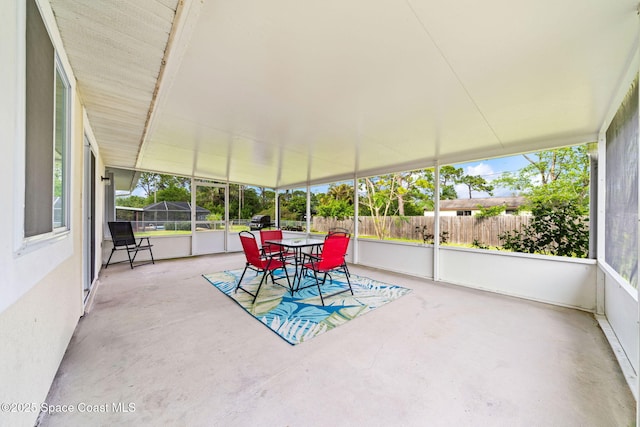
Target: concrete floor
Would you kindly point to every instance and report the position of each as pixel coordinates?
(162, 339)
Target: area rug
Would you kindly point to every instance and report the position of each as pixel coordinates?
(300, 317)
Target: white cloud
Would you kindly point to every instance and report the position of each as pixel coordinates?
(483, 169)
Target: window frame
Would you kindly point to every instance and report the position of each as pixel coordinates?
(49, 229)
(66, 152)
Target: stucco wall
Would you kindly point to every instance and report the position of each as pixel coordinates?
(35, 332)
(40, 284)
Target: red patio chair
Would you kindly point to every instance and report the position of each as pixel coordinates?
(330, 259)
(268, 249)
(259, 263)
(338, 231)
(342, 232)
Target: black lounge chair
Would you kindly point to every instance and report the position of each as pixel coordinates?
(124, 240)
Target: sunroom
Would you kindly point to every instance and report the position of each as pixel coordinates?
(299, 97)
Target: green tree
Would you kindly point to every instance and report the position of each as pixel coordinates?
(152, 183)
(173, 193)
(476, 183)
(293, 204)
(341, 192)
(339, 209)
(211, 198)
(377, 195)
(166, 181)
(556, 184)
(132, 201)
(489, 211)
(246, 198)
(562, 173)
(337, 202)
(148, 182)
(414, 189)
(449, 177)
(450, 174)
(267, 202)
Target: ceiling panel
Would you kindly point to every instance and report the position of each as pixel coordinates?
(116, 50)
(283, 93)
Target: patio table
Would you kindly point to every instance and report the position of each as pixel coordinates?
(296, 245)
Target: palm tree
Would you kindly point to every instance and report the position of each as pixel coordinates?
(341, 192)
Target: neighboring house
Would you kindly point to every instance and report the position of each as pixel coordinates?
(471, 207)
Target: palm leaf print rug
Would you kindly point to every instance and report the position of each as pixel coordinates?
(300, 317)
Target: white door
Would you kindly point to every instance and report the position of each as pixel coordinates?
(209, 215)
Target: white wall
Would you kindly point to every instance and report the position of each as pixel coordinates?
(233, 242)
(561, 281)
(164, 247)
(35, 332)
(406, 258)
(442, 213)
(621, 308)
(23, 265)
(41, 285)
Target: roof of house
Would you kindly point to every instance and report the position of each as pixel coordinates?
(473, 204)
(173, 206)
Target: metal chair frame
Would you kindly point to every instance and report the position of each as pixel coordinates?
(123, 239)
(335, 232)
(330, 259)
(260, 263)
(267, 249)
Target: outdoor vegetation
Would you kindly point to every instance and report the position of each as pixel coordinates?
(554, 220)
(556, 184)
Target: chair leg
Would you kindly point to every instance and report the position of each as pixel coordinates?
(136, 250)
(286, 274)
(110, 255)
(346, 269)
(131, 259)
(315, 274)
(148, 247)
(255, 297)
(348, 281)
(324, 279)
(241, 277)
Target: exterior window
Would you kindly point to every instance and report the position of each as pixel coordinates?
(463, 213)
(60, 152)
(46, 133)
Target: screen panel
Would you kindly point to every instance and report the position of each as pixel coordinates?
(621, 205)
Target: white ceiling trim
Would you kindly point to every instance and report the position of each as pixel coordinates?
(184, 23)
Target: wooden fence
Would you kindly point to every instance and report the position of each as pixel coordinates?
(458, 229)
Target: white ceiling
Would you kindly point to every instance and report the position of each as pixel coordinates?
(282, 93)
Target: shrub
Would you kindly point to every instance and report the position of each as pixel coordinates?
(557, 228)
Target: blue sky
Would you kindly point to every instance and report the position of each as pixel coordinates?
(490, 170)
